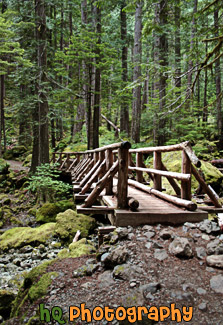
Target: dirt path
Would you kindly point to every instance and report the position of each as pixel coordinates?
(16, 165)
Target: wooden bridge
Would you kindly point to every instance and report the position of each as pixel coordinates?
(113, 180)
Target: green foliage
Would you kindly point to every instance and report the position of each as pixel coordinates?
(46, 185)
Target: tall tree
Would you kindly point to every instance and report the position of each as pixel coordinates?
(41, 134)
(124, 111)
(97, 89)
(218, 79)
(137, 58)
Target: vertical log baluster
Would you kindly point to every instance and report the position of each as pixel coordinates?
(157, 164)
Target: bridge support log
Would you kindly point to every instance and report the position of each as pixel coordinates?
(123, 163)
(101, 185)
(172, 199)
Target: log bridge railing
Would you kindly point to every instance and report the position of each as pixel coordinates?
(102, 165)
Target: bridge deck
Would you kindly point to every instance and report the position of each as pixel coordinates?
(151, 210)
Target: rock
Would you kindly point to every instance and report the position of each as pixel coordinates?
(105, 279)
(181, 247)
(205, 237)
(80, 248)
(166, 233)
(21, 236)
(149, 234)
(202, 306)
(118, 256)
(215, 247)
(135, 298)
(84, 270)
(49, 211)
(6, 299)
(201, 253)
(216, 283)
(122, 232)
(148, 228)
(15, 152)
(179, 295)
(152, 288)
(148, 245)
(190, 225)
(4, 167)
(215, 261)
(160, 254)
(201, 291)
(69, 222)
(126, 272)
(209, 226)
(157, 245)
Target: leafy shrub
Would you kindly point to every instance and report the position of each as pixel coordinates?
(46, 185)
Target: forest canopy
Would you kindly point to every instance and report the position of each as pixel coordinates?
(82, 73)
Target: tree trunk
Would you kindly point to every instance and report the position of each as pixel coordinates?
(97, 88)
(124, 112)
(205, 108)
(177, 46)
(136, 112)
(41, 135)
(218, 80)
(190, 65)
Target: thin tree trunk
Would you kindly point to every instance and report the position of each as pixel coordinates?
(177, 46)
(97, 92)
(136, 112)
(205, 108)
(190, 65)
(124, 112)
(218, 80)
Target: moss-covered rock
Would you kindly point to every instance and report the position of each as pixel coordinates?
(82, 247)
(15, 152)
(21, 236)
(4, 167)
(173, 161)
(6, 299)
(39, 289)
(49, 211)
(34, 286)
(69, 222)
(27, 161)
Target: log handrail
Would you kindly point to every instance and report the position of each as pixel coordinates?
(180, 176)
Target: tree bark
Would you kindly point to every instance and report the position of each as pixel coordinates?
(136, 112)
(97, 88)
(41, 135)
(218, 80)
(124, 112)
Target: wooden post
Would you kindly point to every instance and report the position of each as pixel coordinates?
(139, 163)
(101, 158)
(122, 189)
(172, 182)
(60, 161)
(157, 163)
(186, 185)
(96, 157)
(68, 161)
(109, 163)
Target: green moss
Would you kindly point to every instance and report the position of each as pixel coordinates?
(49, 211)
(39, 289)
(30, 280)
(4, 167)
(21, 236)
(15, 152)
(27, 161)
(82, 247)
(69, 222)
(173, 161)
